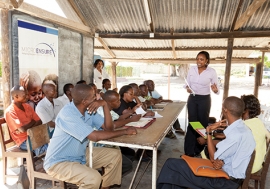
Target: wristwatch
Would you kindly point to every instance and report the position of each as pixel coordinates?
(208, 133)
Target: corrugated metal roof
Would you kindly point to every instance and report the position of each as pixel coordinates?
(172, 16)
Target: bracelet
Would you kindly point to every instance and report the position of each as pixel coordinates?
(210, 133)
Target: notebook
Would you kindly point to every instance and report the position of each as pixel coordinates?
(197, 126)
(142, 123)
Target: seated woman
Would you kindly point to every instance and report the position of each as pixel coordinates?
(260, 134)
(129, 102)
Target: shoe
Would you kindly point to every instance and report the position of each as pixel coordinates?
(180, 131)
(150, 152)
(170, 135)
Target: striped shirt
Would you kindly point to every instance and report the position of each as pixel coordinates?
(69, 140)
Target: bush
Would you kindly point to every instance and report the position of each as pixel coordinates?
(120, 71)
(0, 69)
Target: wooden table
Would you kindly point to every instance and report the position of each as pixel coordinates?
(151, 137)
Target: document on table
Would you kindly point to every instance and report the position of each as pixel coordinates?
(140, 111)
(189, 87)
(141, 123)
(157, 115)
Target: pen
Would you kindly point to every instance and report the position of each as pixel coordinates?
(151, 108)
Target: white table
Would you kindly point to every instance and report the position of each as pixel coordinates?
(149, 138)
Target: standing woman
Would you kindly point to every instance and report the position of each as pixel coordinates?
(200, 79)
(99, 73)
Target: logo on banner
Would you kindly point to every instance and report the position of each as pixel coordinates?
(41, 49)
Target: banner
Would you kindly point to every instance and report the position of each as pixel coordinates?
(38, 57)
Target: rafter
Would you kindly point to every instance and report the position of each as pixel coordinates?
(176, 49)
(248, 13)
(183, 61)
(106, 47)
(50, 17)
(173, 49)
(240, 3)
(201, 35)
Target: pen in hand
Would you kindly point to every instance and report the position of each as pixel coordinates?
(151, 108)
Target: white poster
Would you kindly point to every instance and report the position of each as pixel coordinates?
(38, 57)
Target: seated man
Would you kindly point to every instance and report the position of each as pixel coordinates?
(67, 157)
(48, 108)
(20, 116)
(66, 97)
(157, 98)
(232, 155)
(113, 100)
(144, 94)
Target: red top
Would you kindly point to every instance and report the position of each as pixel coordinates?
(16, 118)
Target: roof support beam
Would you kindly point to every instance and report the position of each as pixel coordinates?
(201, 35)
(184, 61)
(236, 14)
(248, 13)
(106, 47)
(173, 49)
(176, 49)
(48, 16)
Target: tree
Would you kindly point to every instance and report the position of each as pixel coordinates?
(266, 62)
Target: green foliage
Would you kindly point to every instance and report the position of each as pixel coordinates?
(266, 61)
(120, 71)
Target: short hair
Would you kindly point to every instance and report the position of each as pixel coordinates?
(104, 81)
(206, 54)
(52, 77)
(234, 105)
(142, 85)
(97, 61)
(133, 85)
(92, 84)
(124, 89)
(81, 82)
(67, 87)
(108, 95)
(80, 92)
(16, 89)
(252, 104)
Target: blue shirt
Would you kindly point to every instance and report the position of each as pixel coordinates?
(200, 83)
(69, 140)
(155, 94)
(236, 149)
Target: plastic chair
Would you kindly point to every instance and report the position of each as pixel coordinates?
(260, 176)
(37, 137)
(248, 172)
(9, 149)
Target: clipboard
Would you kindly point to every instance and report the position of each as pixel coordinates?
(199, 128)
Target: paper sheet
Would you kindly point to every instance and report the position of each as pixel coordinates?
(141, 123)
(140, 111)
(189, 87)
(157, 115)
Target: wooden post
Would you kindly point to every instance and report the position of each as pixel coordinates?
(5, 58)
(261, 76)
(6, 70)
(114, 83)
(258, 76)
(169, 80)
(228, 68)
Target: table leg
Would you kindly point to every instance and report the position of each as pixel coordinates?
(154, 168)
(135, 173)
(91, 154)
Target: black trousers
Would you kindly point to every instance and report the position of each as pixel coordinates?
(176, 174)
(198, 110)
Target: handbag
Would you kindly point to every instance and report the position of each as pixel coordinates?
(204, 167)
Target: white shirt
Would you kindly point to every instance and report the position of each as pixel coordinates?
(46, 111)
(98, 77)
(64, 99)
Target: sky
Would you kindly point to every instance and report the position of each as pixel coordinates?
(48, 5)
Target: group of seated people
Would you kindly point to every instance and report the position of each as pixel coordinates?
(83, 113)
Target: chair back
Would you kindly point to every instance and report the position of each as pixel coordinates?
(38, 136)
(5, 143)
(265, 167)
(248, 171)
